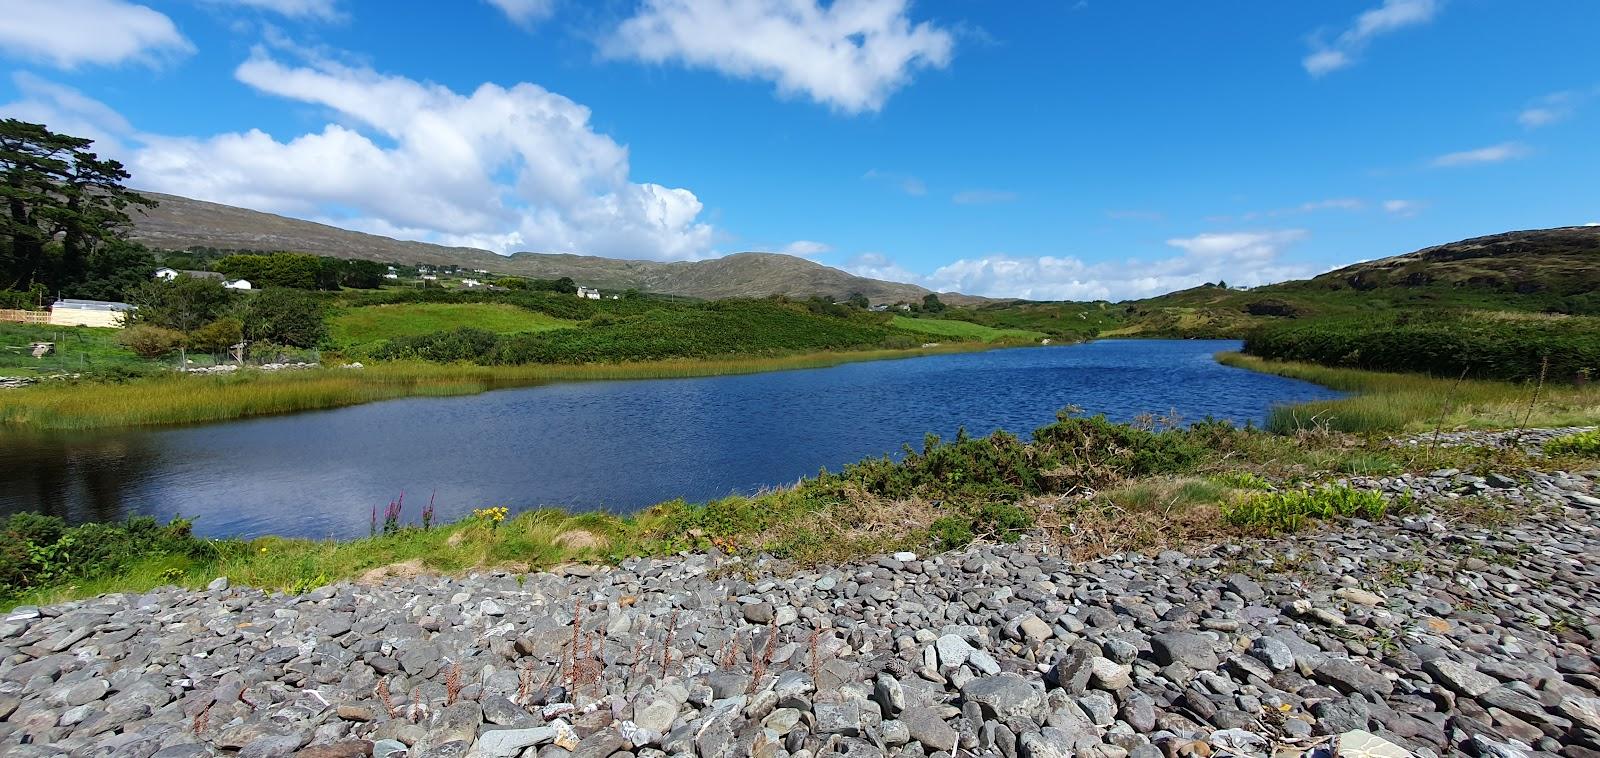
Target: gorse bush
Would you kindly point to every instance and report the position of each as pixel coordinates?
(1584, 443)
(1483, 345)
(1289, 511)
(37, 550)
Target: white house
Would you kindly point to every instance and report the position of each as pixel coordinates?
(471, 283)
(168, 274)
(67, 312)
(589, 293)
(391, 275)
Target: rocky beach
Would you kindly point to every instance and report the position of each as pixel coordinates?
(1429, 632)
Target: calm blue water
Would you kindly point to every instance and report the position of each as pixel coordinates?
(613, 445)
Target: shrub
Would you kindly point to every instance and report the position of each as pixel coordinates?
(1583, 443)
(218, 335)
(150, 341)
(1288, 511)
(39, 551)
(286, 317)
(951, 533)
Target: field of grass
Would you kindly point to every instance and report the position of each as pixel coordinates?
(964, 330)
(356, 329)
(1390, 402)
(79, 349)
(178, 399)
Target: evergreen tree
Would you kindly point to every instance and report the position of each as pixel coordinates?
(56, 192)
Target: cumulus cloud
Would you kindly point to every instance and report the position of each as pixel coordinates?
(525, 12)
(1500, 153)
(71, 33)
(317, 9)
(506, 169)
(848, 54)
(1240, 258)
(1346, 47)
(983, 197)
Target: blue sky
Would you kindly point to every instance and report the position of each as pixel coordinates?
(1046, 149)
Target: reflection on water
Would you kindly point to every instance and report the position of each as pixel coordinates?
(614, 445)
(79, 478)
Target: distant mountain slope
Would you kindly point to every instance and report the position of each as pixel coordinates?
(180, 222)
(1560, 261)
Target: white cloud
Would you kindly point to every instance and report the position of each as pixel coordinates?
(880, 266)
(983, 197)
(319, 9)
(507, 169)
(1593, 223)
(1504, 151)
(1240, 258)
(848, 54)
(1402, 208)
(1345, 48)
(806, 248)
(525, 12)
(70, 33)
(68, 111)
(1554, 107)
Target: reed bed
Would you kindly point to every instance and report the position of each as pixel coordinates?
(1392, 402)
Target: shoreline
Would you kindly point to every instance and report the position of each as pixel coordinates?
(1341, 637)
(197, 399)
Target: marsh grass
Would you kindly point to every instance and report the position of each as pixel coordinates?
(1388, 402)
(178, 399)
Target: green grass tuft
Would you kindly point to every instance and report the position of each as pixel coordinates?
(1586, 444)
(1289, 511)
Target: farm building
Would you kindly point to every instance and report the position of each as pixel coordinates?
(589, 293)
(68, 312)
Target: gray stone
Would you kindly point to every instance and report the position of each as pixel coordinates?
(1004, 696)
(1459, 677)
(953, 651)
(1188, 648)
(510, 742)
(1273, 652)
